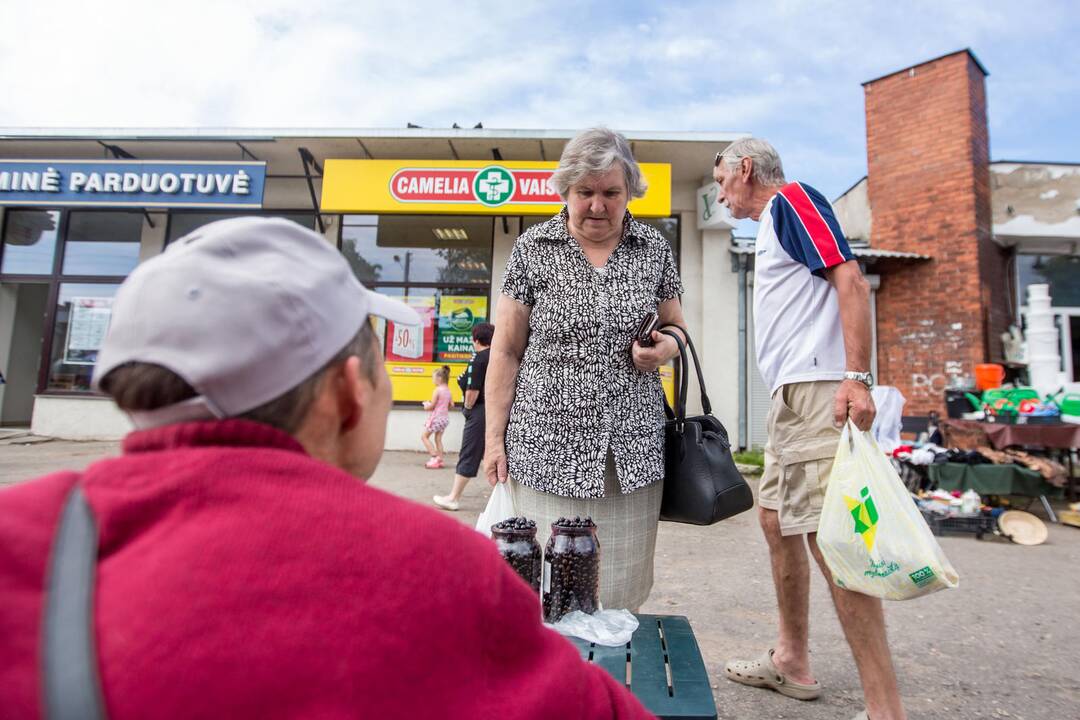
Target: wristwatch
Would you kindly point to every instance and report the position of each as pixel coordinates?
(865, 378)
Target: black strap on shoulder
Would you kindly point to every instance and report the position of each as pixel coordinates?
(72, 686)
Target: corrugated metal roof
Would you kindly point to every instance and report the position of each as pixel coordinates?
(876, 253)
(860, 252)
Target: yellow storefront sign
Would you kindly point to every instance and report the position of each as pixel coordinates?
(412, 381)
(464, 188)
(667, 379)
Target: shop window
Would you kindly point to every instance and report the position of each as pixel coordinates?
(29, 242)
(102, 243)
(439, 265)
(182, 223)
(68, 249)
(359, 246)
(411, 249)
(444, 337)
(448, 316)
(82, 315)
(669, 228)
(1060, 272)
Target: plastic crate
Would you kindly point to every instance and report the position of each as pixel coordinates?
(977, 525)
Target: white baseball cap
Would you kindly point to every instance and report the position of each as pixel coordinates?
(243, 310)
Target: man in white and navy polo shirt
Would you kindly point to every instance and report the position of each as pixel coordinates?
(812, 332)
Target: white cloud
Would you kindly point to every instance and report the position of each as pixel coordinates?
(787, 70)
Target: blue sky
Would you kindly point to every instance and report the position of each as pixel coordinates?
(788, 71)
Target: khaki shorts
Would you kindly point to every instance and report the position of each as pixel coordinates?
(799, 454)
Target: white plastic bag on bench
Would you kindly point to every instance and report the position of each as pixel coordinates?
(611, 628)
(874, 539)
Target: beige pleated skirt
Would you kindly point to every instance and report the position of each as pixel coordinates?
(625, 528)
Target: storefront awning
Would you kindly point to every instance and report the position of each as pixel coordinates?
(689, 153)
(863, 253)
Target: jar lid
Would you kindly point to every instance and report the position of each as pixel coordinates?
(515, 532)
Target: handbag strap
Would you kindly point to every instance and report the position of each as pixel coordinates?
(679, 413)
(72, 685)
(706, 405)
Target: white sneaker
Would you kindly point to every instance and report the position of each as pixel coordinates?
(445, 503)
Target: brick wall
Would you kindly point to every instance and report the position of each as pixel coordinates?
(929, 187)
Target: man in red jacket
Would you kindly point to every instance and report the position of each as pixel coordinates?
(242, 570)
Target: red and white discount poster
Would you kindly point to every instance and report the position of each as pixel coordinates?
(413, 343)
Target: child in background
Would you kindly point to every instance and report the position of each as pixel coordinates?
(438, 417)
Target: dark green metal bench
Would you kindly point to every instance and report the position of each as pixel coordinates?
(661, 665)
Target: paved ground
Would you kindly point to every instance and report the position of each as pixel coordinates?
(1005, 644)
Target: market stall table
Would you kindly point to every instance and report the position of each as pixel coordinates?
(661, 665)
(1052, 436)
(994, 480)
(1057, 436)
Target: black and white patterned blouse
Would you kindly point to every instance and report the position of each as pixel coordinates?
(578, 392)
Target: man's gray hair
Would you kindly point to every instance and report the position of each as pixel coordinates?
(767, 169)
(594, 152)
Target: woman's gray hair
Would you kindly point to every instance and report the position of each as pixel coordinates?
(765, 161)
(594, 152)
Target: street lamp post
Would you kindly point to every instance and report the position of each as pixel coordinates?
(405, 265)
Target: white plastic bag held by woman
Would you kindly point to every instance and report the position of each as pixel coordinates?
(500, 507)
(873, 537)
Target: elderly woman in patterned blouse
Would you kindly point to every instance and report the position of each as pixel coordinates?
(575, 406)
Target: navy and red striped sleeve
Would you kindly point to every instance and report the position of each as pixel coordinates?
(808, 229)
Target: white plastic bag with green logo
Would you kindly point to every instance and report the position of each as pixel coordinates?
(874, 539)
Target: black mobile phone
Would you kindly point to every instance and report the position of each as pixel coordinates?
(644, 332)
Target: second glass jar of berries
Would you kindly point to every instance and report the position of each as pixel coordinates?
(571, 568)
(516, 540)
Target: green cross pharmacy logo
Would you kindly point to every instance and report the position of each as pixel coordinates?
(493, 185)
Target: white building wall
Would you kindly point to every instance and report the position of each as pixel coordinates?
(8, 303)
(23, 312)
(853, 212)
(500, 254)
(405, 424)
(78, 418)
(691, 270)
(719, 346)
(7, 322)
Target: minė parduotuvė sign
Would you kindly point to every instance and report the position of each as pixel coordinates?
(464, 187)
(132, 183)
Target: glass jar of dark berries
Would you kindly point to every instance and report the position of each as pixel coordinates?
(571, 568)
(516, 540)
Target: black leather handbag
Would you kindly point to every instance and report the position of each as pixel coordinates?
(702, 486)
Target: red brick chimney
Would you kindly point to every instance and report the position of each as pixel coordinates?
(928, 157)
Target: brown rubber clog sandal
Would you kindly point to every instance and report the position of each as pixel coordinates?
(762, 673)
